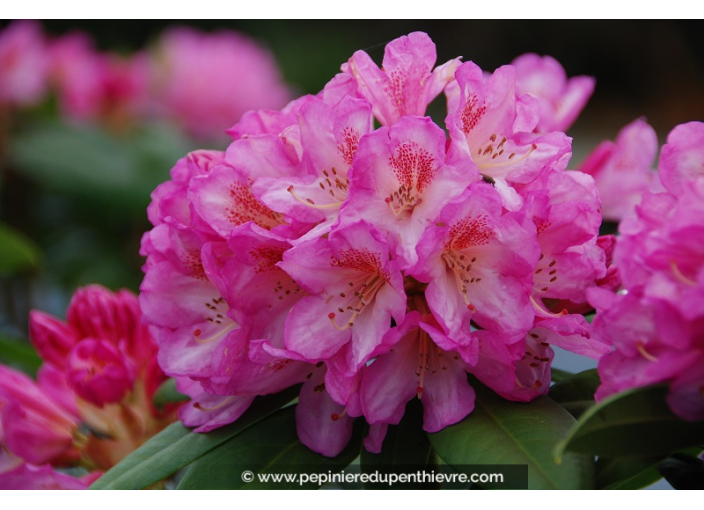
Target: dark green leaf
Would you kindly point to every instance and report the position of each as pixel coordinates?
(272, 447)
(19, 354)
(626, 473)
(684, 472)
(637, 422)
(406, 445)
(168, 394)
(558, 375)
(177, 446)
(576, 393)
(17, 252)
(502, 432)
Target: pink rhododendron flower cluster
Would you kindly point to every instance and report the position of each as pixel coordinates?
(92, 402)
(202, 81)
(657, 324)
(375, 266)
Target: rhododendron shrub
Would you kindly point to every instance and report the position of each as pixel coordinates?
(91, 404)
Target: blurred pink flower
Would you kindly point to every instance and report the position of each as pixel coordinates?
(98, 86)
(623, 170)
(23, 63)
(207, 81)
(34, 427)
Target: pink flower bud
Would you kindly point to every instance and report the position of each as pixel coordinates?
(52, 337)
(96, 312)
(98, 372)
(34, 428)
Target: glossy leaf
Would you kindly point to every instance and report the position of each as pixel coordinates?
(17, 252)
(272, 447)
(503, 432)
(576, 392)
(557, 375)
(637, 422)
(684, 472)
(626, 473)
(177, 446)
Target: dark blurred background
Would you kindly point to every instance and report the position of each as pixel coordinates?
(84, 234)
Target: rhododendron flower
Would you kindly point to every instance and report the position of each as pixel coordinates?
(478, 262)
(354, 290)
(417, 359)
(23, 64)
(92, 402)
(206, 81)
(329, 139)
(400, 182)
(406, 83)
(623, 169)
(373, 265)
(560, 99)
(491, 123)
(564, 207)
(656, 327)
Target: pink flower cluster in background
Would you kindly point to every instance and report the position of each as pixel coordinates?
(656, 324)
(201, 81)
(375, 266)
(623, 170)
(92, 401)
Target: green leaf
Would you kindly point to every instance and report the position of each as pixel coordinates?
(80, 160)
(17, 252)
(406, 445)
(558, 375)
(637, 422)
(177, 446)
(92, 163)
(501, 432)
(19, 354)
(683, 471)
(576, 393)
(626, 473)
(272, 447)
(168, 394)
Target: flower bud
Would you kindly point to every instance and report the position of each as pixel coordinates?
(98, 372)
(52, 337)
